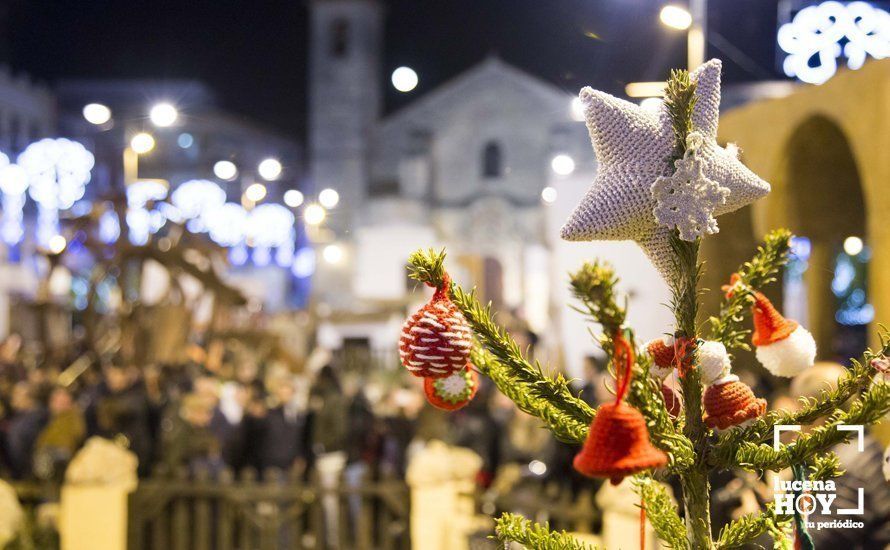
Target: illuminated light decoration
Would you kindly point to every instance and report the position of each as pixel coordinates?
(404, 79)
(194, 197)
(57, 244)
(853, 245)
(314, 214)
(142, 143)
(139, 225)
(269, 169)
(284, 254)
(333, 254)
(255, 192)
(58, 171)
(329, 198)
(261, 256)
(293, 198)
(109, 227)
(163, 115)
(801, 248)
(140, 192)
(14, 184)
(170, 212)
(238, 255)
(225, 170)
(548, 195)
(562, 165)
(652, 104)
(185, 140)
(304, 263)
(226, 224)
(270, 226)
(96, 113)
(813, 39)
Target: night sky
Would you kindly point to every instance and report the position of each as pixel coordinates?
(253, 54)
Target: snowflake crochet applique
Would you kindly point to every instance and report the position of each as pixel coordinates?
(687, 199)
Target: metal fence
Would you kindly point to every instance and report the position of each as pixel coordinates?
(204, 512)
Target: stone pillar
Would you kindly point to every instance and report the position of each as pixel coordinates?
(820, 304)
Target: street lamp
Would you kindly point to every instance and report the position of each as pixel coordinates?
(694, 22)
(163, 115)
(142, 143)
(269, 169)
(96, 113)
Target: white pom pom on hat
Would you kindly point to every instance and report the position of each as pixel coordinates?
(783, 346)
(713, 361)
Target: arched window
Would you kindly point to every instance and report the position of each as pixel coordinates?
(339, 36)
(492, 160)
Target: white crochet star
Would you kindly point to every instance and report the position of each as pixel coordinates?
(633, 148)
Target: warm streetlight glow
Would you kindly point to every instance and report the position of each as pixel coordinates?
(142, 143)
(57, 244)
(293, 198)
(548, 195)
(676, 17)
(269, 169)
(853, 246)
(96, 113)
(332, 254)
(404, 79)
(255, 192)
(328, 198)
(562, 165)
(225, 170)
(163, 115)
(314, 214)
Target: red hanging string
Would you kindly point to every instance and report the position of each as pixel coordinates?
(682, 346)
(623, 359)
(642, 524)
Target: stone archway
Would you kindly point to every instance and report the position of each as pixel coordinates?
(826, 206)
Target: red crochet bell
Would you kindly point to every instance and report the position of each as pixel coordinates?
(617, 444)
(436, 340)
(730, 402)
(452, 392)
(672, 401)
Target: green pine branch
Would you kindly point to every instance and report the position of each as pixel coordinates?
(428, 267)
(679, 98)
(871, 407)
(825, 466)
(594, 286)
(743, 531)
(771, 256)
(661, 512)
(849, 385)
(563, 426)
(513, 528)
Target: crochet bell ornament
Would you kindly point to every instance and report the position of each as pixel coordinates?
(436, 340)
(617, 444)
(729, 402)
(783, 346)
(452, 392)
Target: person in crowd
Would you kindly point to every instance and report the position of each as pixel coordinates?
(283, 439)
(24, 426)
(59, 440)
(187, 440)
(122, 411)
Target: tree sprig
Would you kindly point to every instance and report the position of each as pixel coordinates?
(744, 530)
(662, 512)
(514, 528)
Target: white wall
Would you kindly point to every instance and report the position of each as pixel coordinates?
(381, 254)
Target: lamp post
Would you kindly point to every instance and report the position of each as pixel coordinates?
(694, 22)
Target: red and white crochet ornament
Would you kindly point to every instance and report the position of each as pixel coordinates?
(783, 346)
(452, 392)
(436, 341)
(729, 402)
(713, 361)
(662, 352)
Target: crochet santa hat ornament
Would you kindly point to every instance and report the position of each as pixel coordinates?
(617, 444)
(730, 402)
(662, 355)
(672, 401)
(783, 346)
(436, 340)
(452, 392)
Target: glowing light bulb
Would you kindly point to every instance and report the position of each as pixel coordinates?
(675, 17)
(255, 192)
(293, 198)
(269, 169)
(328, 198)
(142, 143)
(853, 246)
(562, 165)
(225, 170)
(404, 79)
(332, 254)
(548, 195)
(96, 113)
(314, 214)
(57, 244)
(163, 115)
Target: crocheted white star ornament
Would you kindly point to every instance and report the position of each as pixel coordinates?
(633, 147)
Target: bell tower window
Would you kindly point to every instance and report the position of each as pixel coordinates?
(492, 161)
